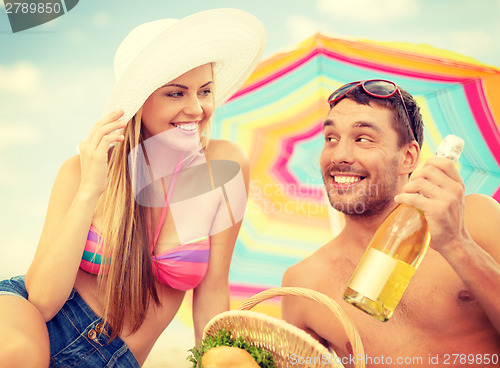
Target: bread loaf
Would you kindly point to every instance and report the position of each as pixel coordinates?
(228, 357)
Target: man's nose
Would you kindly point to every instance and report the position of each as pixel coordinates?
(342, 153)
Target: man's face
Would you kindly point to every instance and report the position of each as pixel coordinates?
(360, 159)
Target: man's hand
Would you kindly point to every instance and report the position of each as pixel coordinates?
(439, 192)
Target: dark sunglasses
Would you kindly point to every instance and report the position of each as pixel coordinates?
(379, 88)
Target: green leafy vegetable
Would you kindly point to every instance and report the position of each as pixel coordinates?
(223, 337)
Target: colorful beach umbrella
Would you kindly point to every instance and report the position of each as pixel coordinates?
(277, 117)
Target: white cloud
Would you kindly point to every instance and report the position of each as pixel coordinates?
(300, 27)
(10, 177)
(472, 42)
(100, 20)
(371, 11)
(21, 78)
(64, 108)
(18, 134)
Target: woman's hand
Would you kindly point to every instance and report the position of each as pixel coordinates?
(94, 153)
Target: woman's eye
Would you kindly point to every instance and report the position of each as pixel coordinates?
(206, 92)
(175, 94)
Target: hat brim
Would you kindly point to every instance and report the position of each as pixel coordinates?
(231, 39)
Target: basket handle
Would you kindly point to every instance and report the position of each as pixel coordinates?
(340, 314)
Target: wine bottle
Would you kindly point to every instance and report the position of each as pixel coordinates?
(394, 253)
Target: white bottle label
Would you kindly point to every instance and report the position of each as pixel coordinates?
(372, 273)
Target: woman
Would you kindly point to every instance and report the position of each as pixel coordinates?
(163, 204)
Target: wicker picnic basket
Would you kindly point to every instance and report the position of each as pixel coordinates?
(289, 345)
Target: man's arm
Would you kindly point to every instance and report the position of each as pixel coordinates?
(463, 230)
(476, 259)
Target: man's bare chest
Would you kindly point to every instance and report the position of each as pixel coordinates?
(436, 310)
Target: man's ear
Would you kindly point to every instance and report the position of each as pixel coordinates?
(410, 155)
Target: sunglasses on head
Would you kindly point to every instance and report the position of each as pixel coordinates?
(379, 88)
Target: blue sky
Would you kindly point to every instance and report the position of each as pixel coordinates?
(54, 79)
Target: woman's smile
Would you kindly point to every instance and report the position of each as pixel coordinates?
(189, 127)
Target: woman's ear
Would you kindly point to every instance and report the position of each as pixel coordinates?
(410, 155)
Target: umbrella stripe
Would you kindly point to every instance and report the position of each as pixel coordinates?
(276, 75)
(484, 118)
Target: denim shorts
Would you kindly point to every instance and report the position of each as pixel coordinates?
(78, 338)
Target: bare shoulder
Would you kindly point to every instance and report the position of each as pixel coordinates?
(304, 274)
(481, 201)
(71, 166)
(295, 275)
(219, 149)
(482, 216)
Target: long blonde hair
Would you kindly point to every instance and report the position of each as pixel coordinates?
(126, 278)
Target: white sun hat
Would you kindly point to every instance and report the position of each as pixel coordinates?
(157, 52)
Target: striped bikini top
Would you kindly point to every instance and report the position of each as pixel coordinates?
(182, 267)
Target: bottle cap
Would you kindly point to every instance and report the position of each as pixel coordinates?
(451, 147)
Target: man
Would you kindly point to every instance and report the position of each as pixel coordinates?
(450, 313)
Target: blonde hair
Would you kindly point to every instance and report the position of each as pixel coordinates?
(126, 277)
